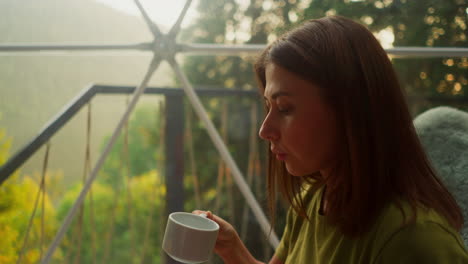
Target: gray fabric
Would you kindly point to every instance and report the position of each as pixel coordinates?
(444, 134)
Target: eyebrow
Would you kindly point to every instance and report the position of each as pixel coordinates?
(278, 94)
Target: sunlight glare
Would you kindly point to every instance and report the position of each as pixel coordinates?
(386, 37)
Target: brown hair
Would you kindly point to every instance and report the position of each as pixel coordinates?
(381, 158)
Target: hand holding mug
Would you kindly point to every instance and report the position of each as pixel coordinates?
(227, 236)
(190, 238)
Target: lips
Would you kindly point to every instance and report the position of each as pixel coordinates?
(279, 154)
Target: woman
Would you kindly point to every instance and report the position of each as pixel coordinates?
(345, 154)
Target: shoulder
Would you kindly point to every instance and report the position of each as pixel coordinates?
(427, 242)
(427, 239)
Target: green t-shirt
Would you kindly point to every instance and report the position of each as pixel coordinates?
(429, 240)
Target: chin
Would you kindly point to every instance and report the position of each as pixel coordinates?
(298, 172)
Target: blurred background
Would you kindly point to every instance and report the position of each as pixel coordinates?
(123, 218)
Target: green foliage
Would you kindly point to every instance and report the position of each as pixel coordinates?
(138, 149)
(5, 144)
(17, 198)
(114, 222)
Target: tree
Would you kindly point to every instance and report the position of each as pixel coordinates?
(117, 225)
(17, 196)
(414, 23)
(138, 149)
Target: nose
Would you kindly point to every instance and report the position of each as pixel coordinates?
(268, 131)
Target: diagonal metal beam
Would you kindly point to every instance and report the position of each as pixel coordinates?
(79, 201)
(223, 151)
(151, 25)
(43, 136)
(176, 27)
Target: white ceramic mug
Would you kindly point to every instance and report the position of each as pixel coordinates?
(189, 238)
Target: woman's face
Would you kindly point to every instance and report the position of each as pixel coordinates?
(300, 125)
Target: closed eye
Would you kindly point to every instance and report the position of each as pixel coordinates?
(285, 111)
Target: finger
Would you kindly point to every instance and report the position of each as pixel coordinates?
(209, 214)
(198, 212)
(217, 219)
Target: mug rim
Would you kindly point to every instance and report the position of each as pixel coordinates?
(191, 227)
